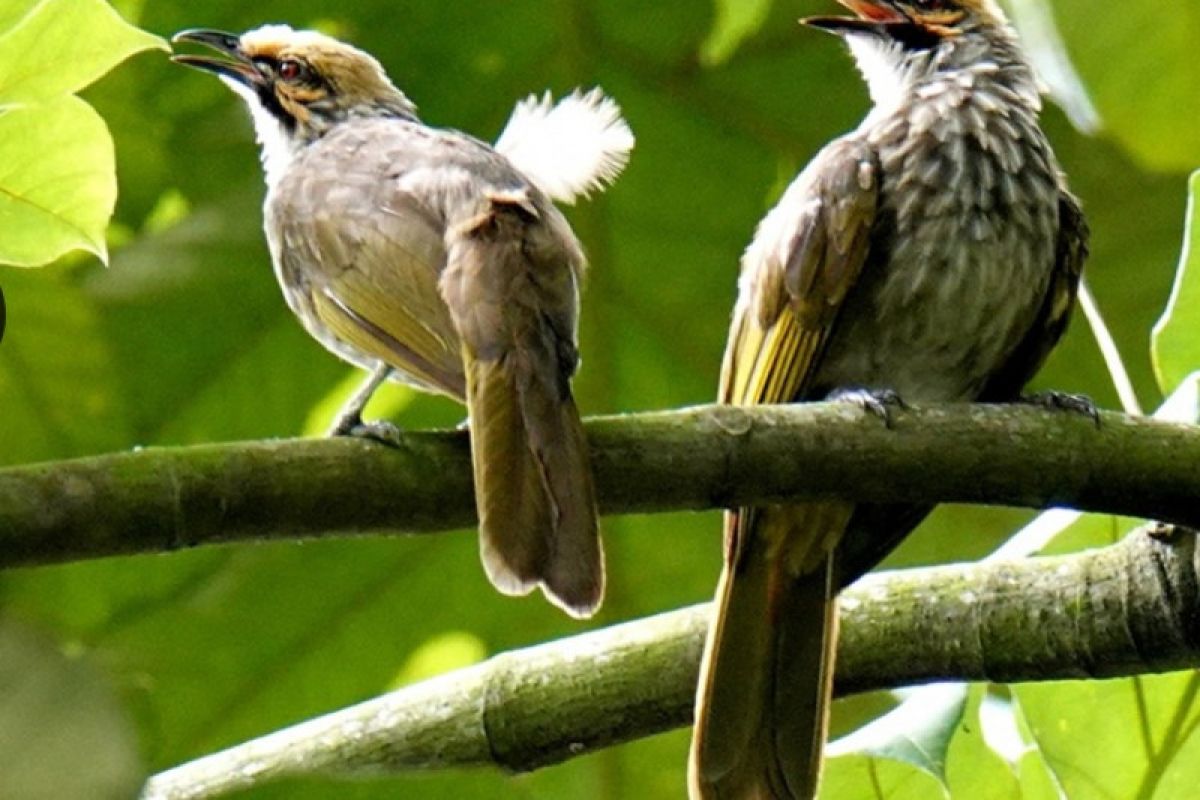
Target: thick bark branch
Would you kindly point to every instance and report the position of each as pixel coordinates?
(160, 499)
(1127, 609)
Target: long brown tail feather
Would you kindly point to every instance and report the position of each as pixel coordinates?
(765, 681)
(537, 507)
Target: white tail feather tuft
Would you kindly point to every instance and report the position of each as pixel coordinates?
(570, 149)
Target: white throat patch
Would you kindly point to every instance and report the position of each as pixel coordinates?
(275, 147)
(882, 66)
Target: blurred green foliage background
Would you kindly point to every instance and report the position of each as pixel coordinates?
(185, 338)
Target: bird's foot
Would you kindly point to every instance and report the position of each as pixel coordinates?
(1064, 401)
(378, 430)
(880, 402)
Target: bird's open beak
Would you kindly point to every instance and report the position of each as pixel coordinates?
(870, 15)
(237, 66)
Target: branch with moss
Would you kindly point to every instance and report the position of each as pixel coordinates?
(160, 499)
(1127, 609)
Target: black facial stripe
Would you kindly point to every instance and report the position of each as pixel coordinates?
(266, 95)
(913, 36)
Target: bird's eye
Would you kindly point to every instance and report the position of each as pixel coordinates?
(290, 69)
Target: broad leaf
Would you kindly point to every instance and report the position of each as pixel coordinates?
(974, 770)
(1110, 740)
(1142, 85)
(1176, 345)
(11, 12)
(61, 46)
(856, 777)
(917, 733)
(58, 182)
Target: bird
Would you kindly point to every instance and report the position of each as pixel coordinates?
(932, 254)
(427, 256)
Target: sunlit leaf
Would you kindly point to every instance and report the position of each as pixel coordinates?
(1176, 343)
(61, 46)
(1036, 781)
(57, 181)
(917, 733)
(854, 777)
(11, 12)
(1134, 737)
(974, 771)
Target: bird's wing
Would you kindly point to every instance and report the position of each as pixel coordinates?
(765, 681)
(805, 257)
(511, 284)
(1070, 254)
(365, 255)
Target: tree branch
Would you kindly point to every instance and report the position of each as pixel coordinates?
(707, 457)
(1127, 609)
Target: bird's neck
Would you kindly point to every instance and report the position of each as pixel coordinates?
(281, 138)
(897, 76)
(277, 144)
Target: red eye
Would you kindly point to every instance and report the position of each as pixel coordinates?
(290, 70)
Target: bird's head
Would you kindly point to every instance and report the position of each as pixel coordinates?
(905, 40)
(918, 24)
(303, 82)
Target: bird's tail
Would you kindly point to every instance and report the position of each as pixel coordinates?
(533, 486)
(571, 149)
(765, 682)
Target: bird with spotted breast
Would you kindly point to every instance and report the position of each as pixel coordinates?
(932, 254)
(427, 256)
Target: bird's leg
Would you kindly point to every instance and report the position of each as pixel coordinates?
(1064, 401)
(349, 421)
(879, 402)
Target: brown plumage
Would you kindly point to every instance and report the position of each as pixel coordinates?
(934, 252)
(427, 256)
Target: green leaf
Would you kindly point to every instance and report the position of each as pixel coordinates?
(1175, 347)
(1140, 83)
(1036, 781)
(917, 733)
(58, 181)
(63, 733)
(63, 45)
(737, 20)
(1109, 740)
(974, 770)
(11, 12)
(856, 777)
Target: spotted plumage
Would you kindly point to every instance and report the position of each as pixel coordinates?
(933, 252)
